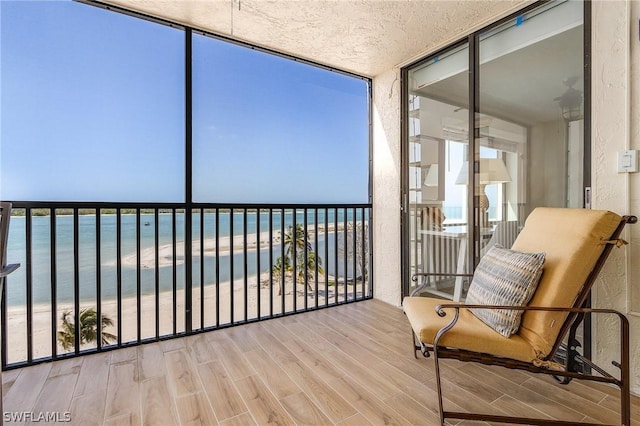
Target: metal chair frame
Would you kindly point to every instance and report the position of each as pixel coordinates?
(572, 357)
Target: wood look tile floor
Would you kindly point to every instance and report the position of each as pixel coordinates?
(349, 365)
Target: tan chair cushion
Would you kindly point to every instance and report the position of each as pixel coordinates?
(572, 240)
(469, 333)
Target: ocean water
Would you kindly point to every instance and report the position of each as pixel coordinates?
(41, 259)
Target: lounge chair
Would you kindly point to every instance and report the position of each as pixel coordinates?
(570, 246)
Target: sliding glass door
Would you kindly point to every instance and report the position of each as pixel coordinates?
(438, 151)
(495, 128)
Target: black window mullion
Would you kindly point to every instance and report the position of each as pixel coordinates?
(54, 293)
(138, 278)
(258, 241)
(119, 272)
(231, 269)
(217, 279)
(29, 280)
(156, 242)
(473, 218)
(98, 279)
(202, 237)
(245, 266)
(188, 232)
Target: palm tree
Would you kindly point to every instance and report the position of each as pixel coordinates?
(88, 320)
(310, 266)
(297, 242)
(278, 269)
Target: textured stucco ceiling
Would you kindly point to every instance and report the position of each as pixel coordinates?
(366, 37)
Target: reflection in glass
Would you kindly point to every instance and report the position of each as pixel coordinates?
(527, 149)
(531, 110)
(438, 149)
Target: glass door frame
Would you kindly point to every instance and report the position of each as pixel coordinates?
(473, 211)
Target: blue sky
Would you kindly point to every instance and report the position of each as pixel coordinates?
(93, 110)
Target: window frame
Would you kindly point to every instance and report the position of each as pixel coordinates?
(189, 31)
(472, 40)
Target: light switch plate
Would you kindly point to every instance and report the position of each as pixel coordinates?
(628, 161)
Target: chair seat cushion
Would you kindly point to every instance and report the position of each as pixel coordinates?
(504, 278)
(469, 333)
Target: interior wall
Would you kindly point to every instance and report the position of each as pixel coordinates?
(615, 97)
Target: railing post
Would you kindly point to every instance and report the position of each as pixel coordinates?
(188, 269)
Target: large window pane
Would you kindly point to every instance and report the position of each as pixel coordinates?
(531, 117)
(268, 129)
(438, 149)
(92, 105)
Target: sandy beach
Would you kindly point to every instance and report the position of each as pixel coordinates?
(217, 302)
(213, 315)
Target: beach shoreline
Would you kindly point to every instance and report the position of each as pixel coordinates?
(211, 249)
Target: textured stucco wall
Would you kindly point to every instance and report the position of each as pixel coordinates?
(615, 97)
(386, 186)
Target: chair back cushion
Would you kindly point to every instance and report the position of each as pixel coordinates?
(572, 240)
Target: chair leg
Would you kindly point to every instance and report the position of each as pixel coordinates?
(414, 347)
(625, 387)
(572, 356)
(438, 385)
(436, 359)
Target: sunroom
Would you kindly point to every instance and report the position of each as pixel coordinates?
(371, 186)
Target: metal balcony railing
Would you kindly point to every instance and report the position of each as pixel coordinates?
(99, 276)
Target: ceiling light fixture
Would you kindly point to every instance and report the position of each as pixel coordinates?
(571, 101)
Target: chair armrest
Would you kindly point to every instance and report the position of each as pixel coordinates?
(8, 269)
(624, 322)
(415, 276)
(440, 309)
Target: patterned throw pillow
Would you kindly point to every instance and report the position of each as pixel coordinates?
(506, 278)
